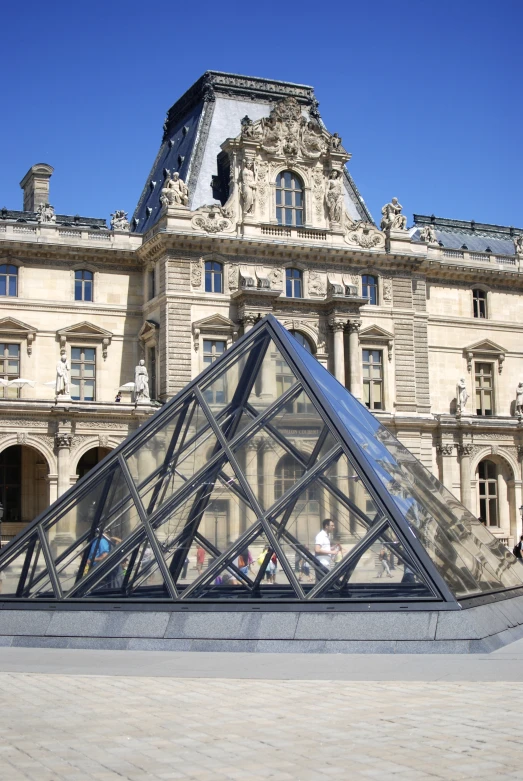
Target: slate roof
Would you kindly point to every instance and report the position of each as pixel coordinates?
(61, 219)
(200, 121)
(474, 236)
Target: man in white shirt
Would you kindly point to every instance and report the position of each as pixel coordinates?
(323, 549)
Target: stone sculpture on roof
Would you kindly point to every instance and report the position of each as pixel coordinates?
(428, 235)
(119, 221)
(174, 192)
(45, 213)
(518, 244)
(392, 218)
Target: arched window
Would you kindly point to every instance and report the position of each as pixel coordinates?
(288, 472)
(488, 492)
(293, 283)
(213, 277)
(289, 199)
(369, 285)
(83, 285)
(479, 298)
(8, 280)
(302, 340)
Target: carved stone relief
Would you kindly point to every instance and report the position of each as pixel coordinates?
(317, 284)
(276, 277)
(232, 277)
(196, 273)
(365, 235)
(387, 290)
(212, 219)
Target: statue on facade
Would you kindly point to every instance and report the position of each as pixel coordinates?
(174, 192)
(392, 218)
(519, 399)
(518, 244)
(141, 382)
(248, 187)
(119, 221)
(335, 142)
(62, 376)
(250, 131)
(312, 139)
(461, 395)
(428, 235)
(334, 197)
(45, 213)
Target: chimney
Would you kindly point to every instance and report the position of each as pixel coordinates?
(35, 185)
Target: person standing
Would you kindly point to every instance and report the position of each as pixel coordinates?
(323, 549)
(518, 548)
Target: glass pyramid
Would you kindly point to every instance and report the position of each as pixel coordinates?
(264, 479)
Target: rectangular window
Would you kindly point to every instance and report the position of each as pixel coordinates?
(373, 379)
(152, 283)
(212, 349)
(484, 385)
(10, 369)
(152, 371)
(83, 371)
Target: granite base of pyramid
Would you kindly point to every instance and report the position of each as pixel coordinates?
(481, 629)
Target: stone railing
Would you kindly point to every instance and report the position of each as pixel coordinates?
(51, 233)
(466, 256)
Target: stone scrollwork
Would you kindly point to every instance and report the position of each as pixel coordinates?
(196, 273)
(446, 449)
(318, 189)
(63, 440)
(212, 219)
(262, 183)
(365, 235)
(387, 290)
(232, 277)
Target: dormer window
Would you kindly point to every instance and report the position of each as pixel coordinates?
(289, 199)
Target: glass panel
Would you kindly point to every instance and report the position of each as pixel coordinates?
(274, 378)
(76, 353)
(22, 570)
(3, 285)
(220, 391)
(383, 570)
(300, 423)
(449, 532)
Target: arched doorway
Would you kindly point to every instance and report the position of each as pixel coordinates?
(90, 459)
(24, 488)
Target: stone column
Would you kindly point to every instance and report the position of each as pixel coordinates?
(338, 327)
(465, 452)
(355, 359)
(446, 452)
(63, 448)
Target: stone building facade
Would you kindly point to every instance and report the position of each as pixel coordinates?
(250, 209)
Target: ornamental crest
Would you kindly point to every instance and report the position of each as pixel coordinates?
(212, 219)
(365, 235)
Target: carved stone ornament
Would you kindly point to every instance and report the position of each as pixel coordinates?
(387, 290)
(103, 440)
(119, 221)
(232, 277)
(63, 440)
(262, 183)
(465, 450)
(174, 191)
(196, 273)
(286, 132)
(365, 235)
(446, 449)
(337, 325)
(45, 213)
(392, 218)
(334, 197)
(317, 284)
(519, 399)
(211, 219)
(428, 235)
(518, 245)
(21, 438)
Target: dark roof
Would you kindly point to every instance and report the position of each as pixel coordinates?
(475, 236)
(61, 219)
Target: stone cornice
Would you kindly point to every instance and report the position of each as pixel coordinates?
(21, 304)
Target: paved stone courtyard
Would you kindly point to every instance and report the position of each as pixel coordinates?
(115, 727)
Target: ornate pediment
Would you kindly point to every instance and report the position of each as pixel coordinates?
(87, 332)
(11, 328)
(212, 219)
(148, 331)
(485, 348)
(375, 336)
(214, 325)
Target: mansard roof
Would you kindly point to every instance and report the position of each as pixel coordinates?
(198, 124)
(474, 236)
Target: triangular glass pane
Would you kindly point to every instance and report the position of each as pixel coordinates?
(217, 513)
(382, 570)
(22, 568)
(268, 467)
(223, 389)
(274, 378)
(182, 467)
(252, 572)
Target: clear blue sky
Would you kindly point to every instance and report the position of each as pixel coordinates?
(427, 96)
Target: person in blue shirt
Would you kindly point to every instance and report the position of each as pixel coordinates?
(100, 549)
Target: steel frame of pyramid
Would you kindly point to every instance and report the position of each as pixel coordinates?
(156, 489)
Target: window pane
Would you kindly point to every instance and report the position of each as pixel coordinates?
(88, 291)
(299, 216)
(76, 353)
(278, 197)
(279, 217)
(218, 283)
(288, 198)
(298, 198)
(288, 216)
(77, 291)
(89, 370)
(12, 286)
(89, 354)
(89, 390)
(75, 369)
(13, 349)
(2, 285)
(75, 390)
